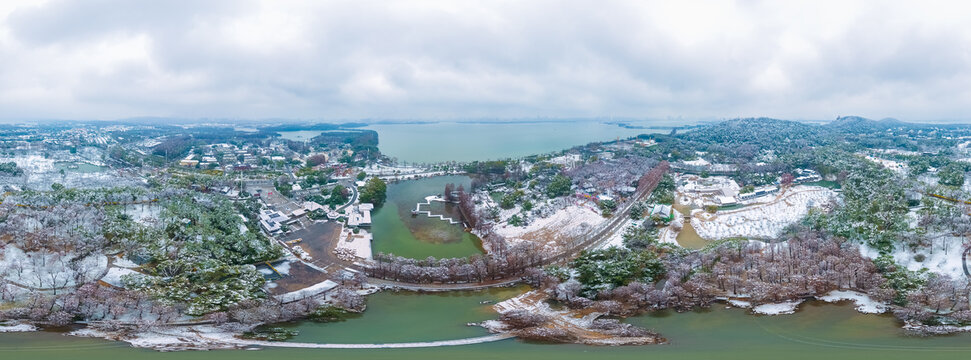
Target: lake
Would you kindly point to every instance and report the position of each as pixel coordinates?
(463, 141)
(816, 331)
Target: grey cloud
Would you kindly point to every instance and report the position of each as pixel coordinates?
(109, 59)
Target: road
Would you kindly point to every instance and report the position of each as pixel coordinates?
(468, 341)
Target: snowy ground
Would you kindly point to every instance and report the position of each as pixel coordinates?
(617, 238)
(578, 323)
(355, 245)
(740, 303)
(889, 164)
(765, 220)
(787, 307)
(556, 230)
(7, 328)
(669, 234)
(944, 256)
(41, 172)
(144, 214)
(125, 263)
(199, 337)
(46, 270)
(113, 277)
(864, 304)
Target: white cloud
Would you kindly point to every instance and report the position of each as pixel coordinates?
(448, 59)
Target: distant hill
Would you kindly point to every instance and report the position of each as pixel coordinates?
(754, 129)
(765, 133)
(862, 124)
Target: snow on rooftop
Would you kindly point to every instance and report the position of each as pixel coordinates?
(306, 292)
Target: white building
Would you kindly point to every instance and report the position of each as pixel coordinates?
(271, 220)
(360, 215)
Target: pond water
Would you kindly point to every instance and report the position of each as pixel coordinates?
(688, 238)
(816, 331)
(463, 141)
(396, 231)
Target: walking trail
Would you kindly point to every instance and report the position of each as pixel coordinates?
(468, 341)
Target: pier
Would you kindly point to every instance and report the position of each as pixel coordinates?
(428, 201)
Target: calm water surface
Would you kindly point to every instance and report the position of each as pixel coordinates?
(397, 231)
(455, 141)
(816, 331)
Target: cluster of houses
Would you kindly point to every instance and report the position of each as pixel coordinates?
(723, 191)
(358, 216)
(758, 192)
(716, 190)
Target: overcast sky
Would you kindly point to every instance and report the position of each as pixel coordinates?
(103, 59)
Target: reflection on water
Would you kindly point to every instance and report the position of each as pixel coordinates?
(688, 238)
(453, 141)
(816, 331)
(397, 231)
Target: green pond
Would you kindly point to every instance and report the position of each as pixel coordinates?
(397, 231)
(468, 141)
(816, 331)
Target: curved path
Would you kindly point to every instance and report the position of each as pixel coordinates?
(468, 341)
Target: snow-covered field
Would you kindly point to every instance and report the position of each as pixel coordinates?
(41, 171)
(556, 230)
(617, 238)
(31, 163)
(113, 277)
(46, 270)
(765, 220)
(944, 256)
(144, 214)
(889, 164)
(356, 245)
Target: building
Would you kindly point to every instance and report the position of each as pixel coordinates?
(272, 220)
(759, 192)
(725, 200)
(360, 215)
(662, 212)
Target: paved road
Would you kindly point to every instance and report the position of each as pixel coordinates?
(469, 341)
(354, 193)
(442, 287)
